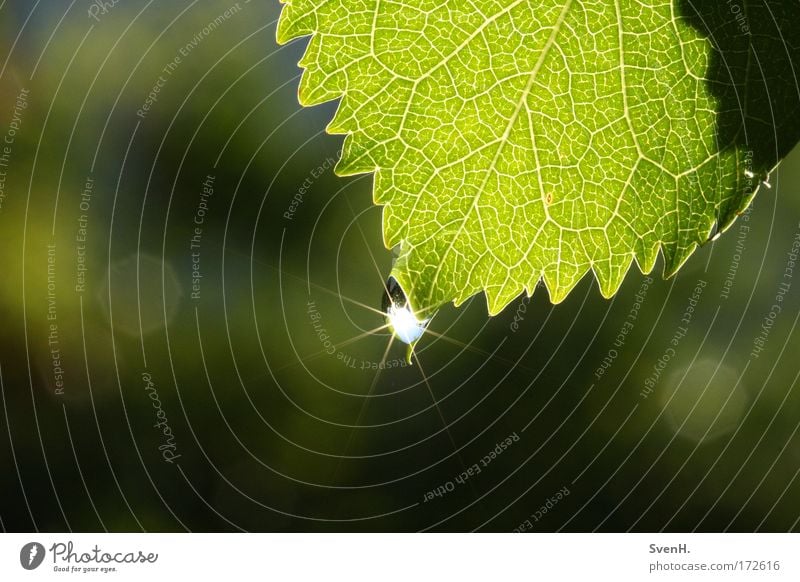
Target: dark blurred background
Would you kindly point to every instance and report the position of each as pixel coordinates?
(188, 299)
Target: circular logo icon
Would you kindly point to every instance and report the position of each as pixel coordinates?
(31, 555)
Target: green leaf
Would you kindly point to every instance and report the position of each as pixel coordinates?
(514, 141)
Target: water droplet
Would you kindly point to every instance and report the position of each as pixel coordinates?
(402, 321)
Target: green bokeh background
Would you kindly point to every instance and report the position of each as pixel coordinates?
(274, 432)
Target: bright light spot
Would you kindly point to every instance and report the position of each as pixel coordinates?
(748, 174)
(705, 401)
(404, 324)
(141, 301)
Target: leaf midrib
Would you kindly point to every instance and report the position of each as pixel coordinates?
(520, 104)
